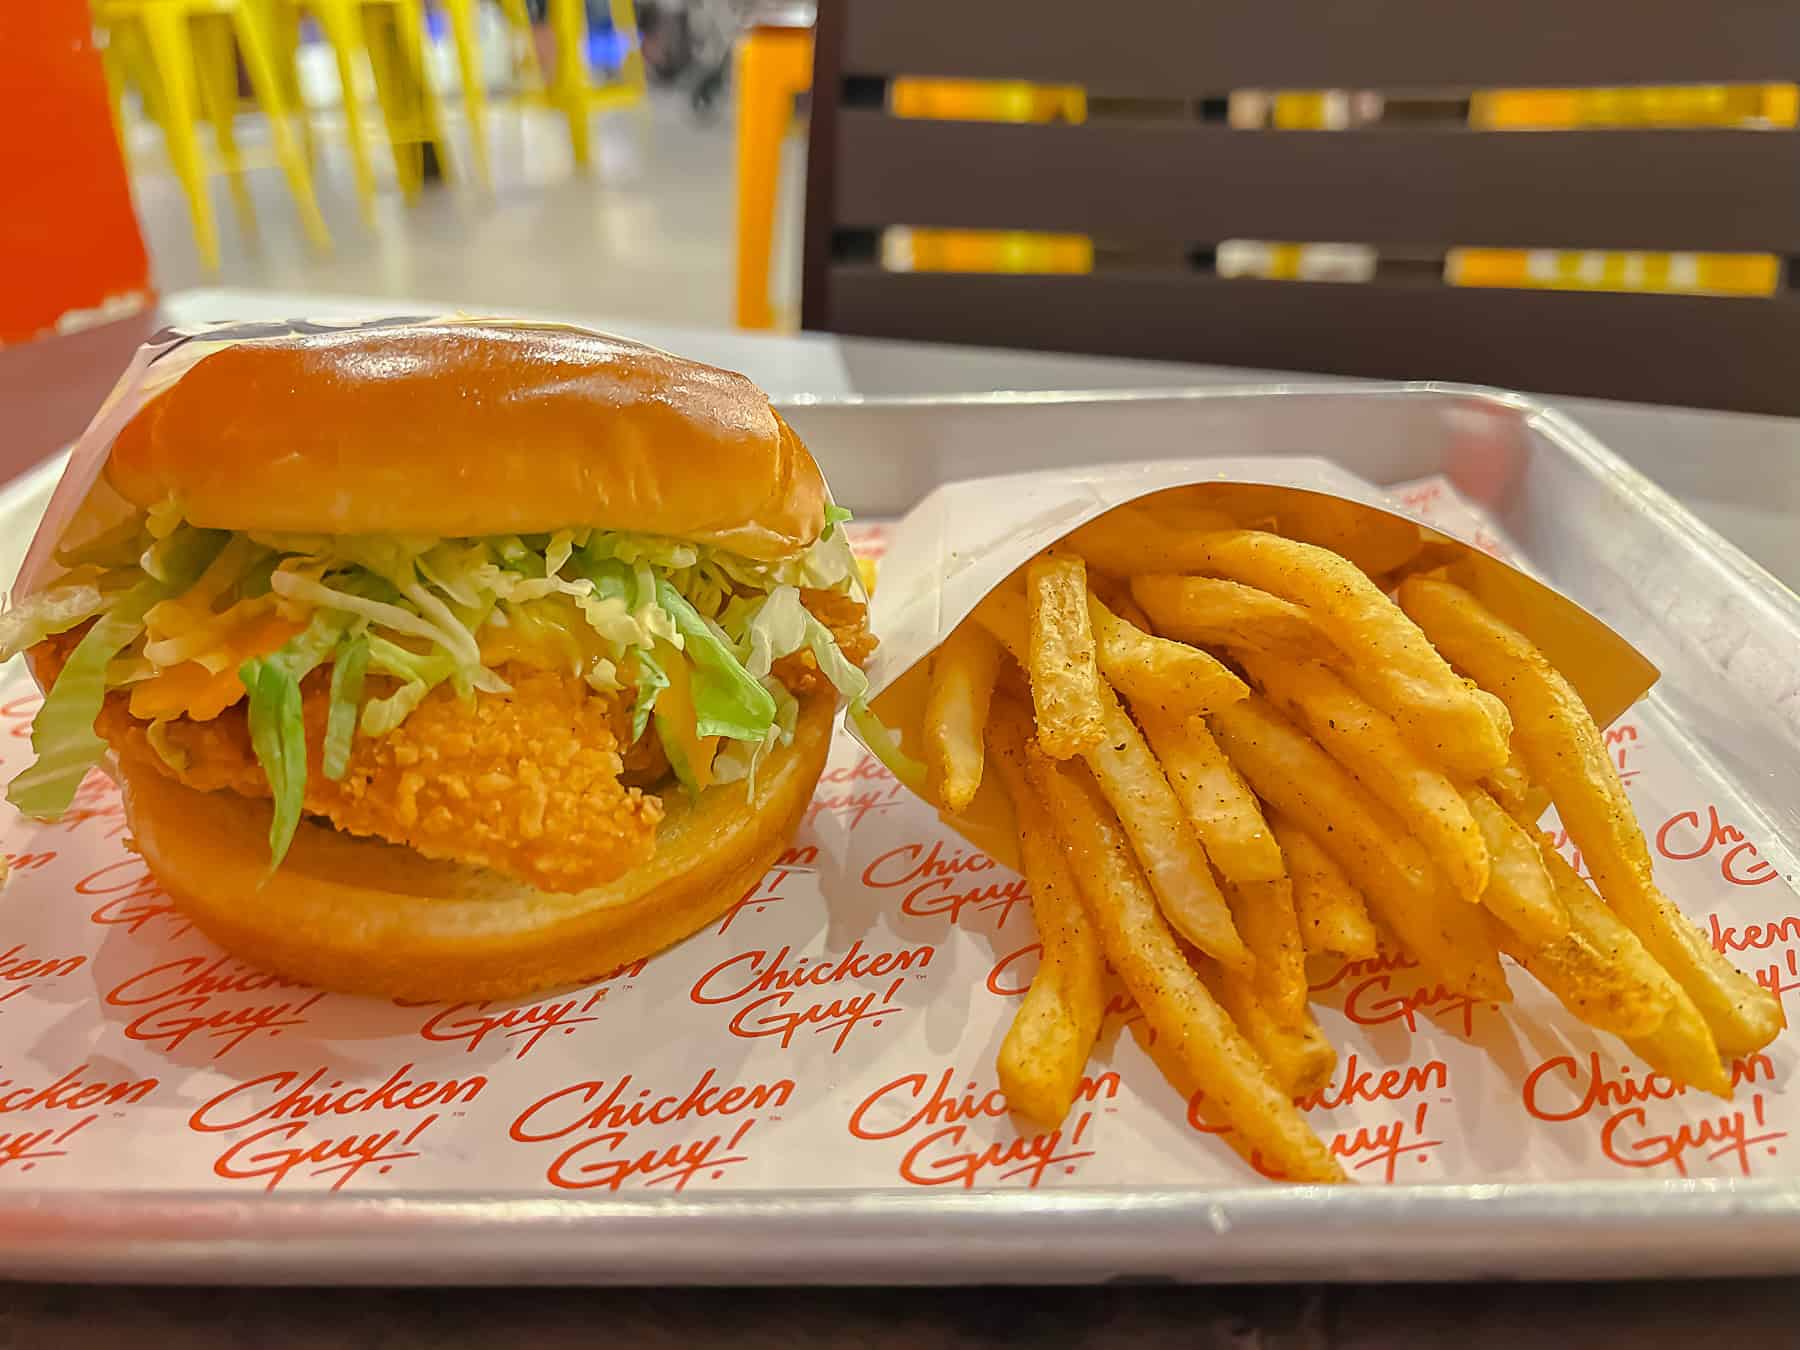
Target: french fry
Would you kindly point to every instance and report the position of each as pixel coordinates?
(1294, 776)
(1209, 612)
(1332, 917)
(1193, 1031)
(1132, 538)
(1519, 891)
(1152, 670)
(1375, 542)
(1565, 753)
(1165, 843)
(1602, 974)
(963, 671)
(1218, 803)
(1065, 678)
(1139, 664)
(1386, 658)
(1298, 1056)
(1368, 743)
(1264, 911)
(1047, 1048)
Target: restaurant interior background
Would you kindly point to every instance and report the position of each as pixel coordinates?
(632, 159)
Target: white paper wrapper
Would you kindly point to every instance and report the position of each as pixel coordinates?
(835, 1029)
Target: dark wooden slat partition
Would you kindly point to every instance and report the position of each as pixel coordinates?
(1419, 190)
(1189, 47)
(1704, 352)
(1402, 185)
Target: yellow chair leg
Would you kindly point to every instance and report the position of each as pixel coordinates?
(624, 22)
(468, 59)
(382, 35)
(410, 15)
(343, 30)
(172, 55)
(568, 20)
(265, 80)
(284, 29)
(217, 68)
(773, 65)
(518, 19)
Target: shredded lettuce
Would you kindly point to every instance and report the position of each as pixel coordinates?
(651, 679)
(728, 700)
(885, 746)
(62, 733)
(46, 614)
(347, 671)
(278, 736)
(277, 730)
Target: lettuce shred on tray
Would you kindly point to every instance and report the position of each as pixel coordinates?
(189, 620)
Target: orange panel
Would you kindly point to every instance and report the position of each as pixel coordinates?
(68, 238)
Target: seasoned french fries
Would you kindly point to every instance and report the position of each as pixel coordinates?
(1368, 743)
(1565, 753)
(1385, 656)
(1137, 663)
(1065, 676)
(1332, 917)
(1291, 773)
(1166, 845)
(1264, 911)
(1298, 1056)
(1150, 670)
(963, 671)
(1192, 1029)
(1046, 1050)
(1519, 891)
(1210, 612)
(1218, 803)
(1277, 762)
(1601, 973)
(1136, 538)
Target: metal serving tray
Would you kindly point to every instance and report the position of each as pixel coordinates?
(1725, 634)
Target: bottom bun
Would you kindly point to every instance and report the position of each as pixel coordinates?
(366, 917)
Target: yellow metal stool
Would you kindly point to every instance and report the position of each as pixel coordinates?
(390, 36)
(183, 52)
(571, 88)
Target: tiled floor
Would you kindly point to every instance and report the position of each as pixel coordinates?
(648, 233)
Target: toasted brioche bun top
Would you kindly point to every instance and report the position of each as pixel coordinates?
(472, 428)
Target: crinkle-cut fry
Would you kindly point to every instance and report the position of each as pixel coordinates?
(1165, 843)
(1217, 801)
(1333, 919)
(1053, 1033)
(963, 671)
(1565, 753)
(1193, 1031)
(1153, 670)
(1264, 911)
(1368, 743)
(1385, 656)
(1130, 539)
(1298, 1056)
(1211, 612)
(1602, 974)
(1065, 675)
(1519, 891)
(1293, 775)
